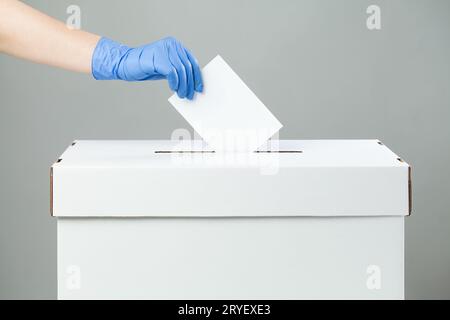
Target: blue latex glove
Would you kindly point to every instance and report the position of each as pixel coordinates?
(163, 59)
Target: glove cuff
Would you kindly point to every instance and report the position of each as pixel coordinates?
(106, 58)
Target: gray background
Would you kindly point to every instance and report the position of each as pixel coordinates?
(313, 63)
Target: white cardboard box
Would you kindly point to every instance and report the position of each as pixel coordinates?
(163, 220)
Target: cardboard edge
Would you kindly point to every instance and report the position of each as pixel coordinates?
(51, 180)
(409, 179)
(409, 191)
(51, 191)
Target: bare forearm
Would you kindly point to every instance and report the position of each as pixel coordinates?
(29, 34)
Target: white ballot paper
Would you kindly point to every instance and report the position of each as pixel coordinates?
(227, 114)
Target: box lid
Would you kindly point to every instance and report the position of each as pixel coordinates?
(285, 178)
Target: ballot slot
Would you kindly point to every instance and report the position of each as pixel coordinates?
(278, 151)
(210, 151)
(183, 151)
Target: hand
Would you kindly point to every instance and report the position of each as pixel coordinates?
(163, 59)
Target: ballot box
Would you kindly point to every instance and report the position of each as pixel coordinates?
(297, 219)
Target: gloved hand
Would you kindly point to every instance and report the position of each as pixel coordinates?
(163, 59)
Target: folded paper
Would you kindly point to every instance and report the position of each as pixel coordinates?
(227, 114)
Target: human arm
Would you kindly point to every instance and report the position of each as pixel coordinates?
(29, 34)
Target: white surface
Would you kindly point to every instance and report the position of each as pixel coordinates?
(141, 154)
(230, 258)
(227, 115)
(329, 178)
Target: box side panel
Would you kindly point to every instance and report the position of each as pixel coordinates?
(231, 258)
(311, 191)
